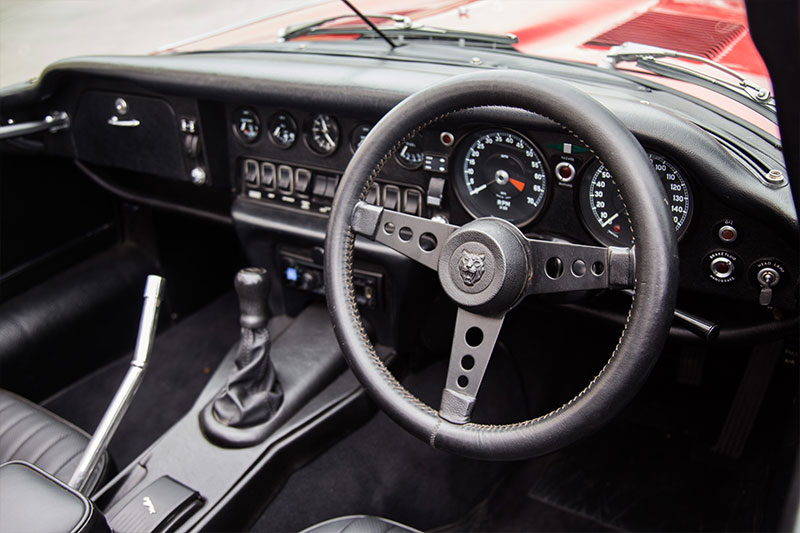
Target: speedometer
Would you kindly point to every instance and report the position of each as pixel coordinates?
(501, 174)
(603, 211)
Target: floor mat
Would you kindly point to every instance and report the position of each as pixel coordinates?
(382, 470)
(182, 360)
(651, 469)
(625, 479)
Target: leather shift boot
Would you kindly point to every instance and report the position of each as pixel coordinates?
(252, 394)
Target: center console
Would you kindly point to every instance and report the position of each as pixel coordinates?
(196, 477)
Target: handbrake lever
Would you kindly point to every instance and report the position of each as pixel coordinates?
(153, 291)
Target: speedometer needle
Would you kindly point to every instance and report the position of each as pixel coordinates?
(476, 190)
(609, 221)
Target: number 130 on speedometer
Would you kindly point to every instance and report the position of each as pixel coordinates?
(603, 211)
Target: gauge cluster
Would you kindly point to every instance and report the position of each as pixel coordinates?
(537, 178)
(546, 183)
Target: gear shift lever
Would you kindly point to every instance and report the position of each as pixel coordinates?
(252, 286)
(252, 393)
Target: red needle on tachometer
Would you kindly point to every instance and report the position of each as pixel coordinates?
(516, 183)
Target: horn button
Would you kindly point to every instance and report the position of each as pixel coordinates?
(484, 265)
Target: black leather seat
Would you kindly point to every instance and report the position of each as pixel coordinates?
(33, 434)
(360, 524)
(34, 501)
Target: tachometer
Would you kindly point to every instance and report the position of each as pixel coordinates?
(604, 214)
(501, 174)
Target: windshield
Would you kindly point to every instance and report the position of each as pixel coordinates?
(34, 34)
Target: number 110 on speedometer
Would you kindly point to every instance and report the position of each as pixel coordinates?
(603, 210)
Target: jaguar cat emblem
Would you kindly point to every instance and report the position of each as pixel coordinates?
(471, 266)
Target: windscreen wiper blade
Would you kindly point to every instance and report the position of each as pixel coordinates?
(744, 91)
(402, 30)
(316, 27)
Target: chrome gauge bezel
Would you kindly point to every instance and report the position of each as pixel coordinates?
(588, 210)
(246, 115)
(358, 135)
(415, 143)
(334, 131)
(285, 120)
(466, 144)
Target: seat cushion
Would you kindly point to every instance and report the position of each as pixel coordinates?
(33, 434)
(360, 524)
(34, 501)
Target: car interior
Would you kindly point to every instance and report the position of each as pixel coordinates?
(273, 289)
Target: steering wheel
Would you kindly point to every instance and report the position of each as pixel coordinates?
(488, 266)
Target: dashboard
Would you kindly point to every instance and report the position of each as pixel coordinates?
(508, 164)
(265, 144)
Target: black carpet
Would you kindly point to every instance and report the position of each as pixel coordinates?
(183, 358)
(653, 469)
(382, 470)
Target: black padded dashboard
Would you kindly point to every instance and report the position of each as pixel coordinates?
(196, 103)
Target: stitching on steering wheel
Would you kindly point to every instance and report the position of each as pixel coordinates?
(356, 316)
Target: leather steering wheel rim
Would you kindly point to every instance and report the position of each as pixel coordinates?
(655, 252)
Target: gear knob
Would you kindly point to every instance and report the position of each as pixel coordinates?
(252, 286)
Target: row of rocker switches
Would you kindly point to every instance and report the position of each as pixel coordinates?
(287, 180)
(322, 187)
(396, 198)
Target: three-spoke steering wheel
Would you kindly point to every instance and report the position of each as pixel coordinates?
(488, 266)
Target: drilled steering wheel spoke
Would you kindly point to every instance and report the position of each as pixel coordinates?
(419, 238)
(564, 267)
(473, 342)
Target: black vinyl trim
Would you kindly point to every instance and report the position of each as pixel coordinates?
(155, 203)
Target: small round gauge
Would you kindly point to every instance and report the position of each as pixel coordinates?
(246, 124)
(282, 130)
(604, 213)
(500, 173)
(322, 134)
(360, 133)
(410, 155)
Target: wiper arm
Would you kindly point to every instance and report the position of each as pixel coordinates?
(307, 28)
(645, 57)
(403, 29)
(401, 34)
(369, 23)
(462, 37)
